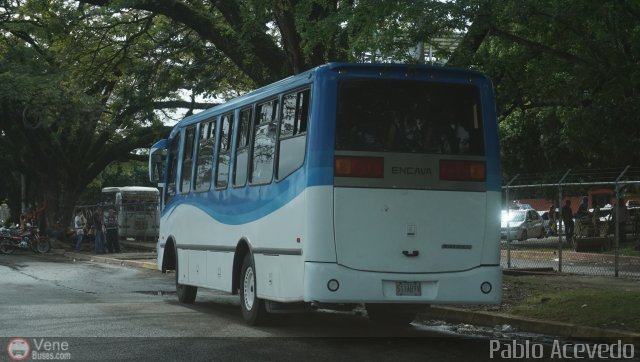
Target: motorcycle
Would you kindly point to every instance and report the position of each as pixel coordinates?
(29, 238)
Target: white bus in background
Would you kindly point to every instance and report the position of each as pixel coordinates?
(345, 184)
(137, 209)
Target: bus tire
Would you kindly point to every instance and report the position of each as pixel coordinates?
(253, 308)
(186, 293)
(387, 316)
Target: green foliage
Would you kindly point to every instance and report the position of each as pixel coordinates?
(89, 82)
(129, 173)
(593, 307)
(566, 76)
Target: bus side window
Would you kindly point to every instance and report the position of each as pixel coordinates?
(224, 151)
(170, 189)
(204, 160)
(264, 141)
(242, 149)
(293, 132)
(187, 160)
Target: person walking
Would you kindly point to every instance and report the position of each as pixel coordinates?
(567, 218)
(79, 224)
(98, 224)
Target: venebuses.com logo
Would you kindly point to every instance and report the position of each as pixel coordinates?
(20, 349)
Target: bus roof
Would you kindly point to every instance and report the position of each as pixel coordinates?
(306, 77)
(131, 189)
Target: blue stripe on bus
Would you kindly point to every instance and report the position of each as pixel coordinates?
(246, 204)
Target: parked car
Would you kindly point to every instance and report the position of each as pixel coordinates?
(521, 225)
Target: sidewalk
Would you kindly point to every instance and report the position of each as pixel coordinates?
(143, 255)
(137, 255)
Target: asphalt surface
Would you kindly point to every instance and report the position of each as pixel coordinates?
(142, 255)
(87, 310)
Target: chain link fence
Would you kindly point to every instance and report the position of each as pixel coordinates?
(587, 237)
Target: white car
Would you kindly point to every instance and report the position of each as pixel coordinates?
(521, 225)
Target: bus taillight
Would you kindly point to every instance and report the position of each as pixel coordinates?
(456, 170)
(350, 166)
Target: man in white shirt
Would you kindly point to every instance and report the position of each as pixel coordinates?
(79, 223)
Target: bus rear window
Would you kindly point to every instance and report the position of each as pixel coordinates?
(409, 117)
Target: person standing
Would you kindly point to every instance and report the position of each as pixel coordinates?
(595, 219)
(5, 213)
(79, 224)
(98, 224)
(111, 225)
(552, 220)
(567, 219)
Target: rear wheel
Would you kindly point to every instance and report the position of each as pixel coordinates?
(186, 293)
(253, 308)
(43, 245)
(389, 316)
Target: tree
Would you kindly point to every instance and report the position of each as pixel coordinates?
(271, 39)
(566, 76)
(78, 92)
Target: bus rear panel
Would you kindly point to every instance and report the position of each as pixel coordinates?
(413, 206)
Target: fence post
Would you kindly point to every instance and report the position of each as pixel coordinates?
(617, 224)
(509, 221)
(560, 222)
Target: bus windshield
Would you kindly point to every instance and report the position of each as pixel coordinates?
(409, 117)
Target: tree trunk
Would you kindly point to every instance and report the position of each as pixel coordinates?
(60, 198)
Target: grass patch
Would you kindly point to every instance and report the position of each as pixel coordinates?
(604, 308)
(626, 249)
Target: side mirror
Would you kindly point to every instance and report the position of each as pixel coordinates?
(155, 168)
(155, 162)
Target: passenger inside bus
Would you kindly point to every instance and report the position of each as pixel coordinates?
(409, 118)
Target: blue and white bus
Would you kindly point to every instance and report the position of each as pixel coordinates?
(344, 185)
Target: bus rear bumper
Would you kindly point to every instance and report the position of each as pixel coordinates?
(333, 283)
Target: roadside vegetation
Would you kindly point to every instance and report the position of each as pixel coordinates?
(589, 301)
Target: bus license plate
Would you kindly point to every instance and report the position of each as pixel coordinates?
(408, 289)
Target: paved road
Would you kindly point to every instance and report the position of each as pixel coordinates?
(111, 312)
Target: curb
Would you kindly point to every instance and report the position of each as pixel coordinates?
(550, 328)
(111, 261)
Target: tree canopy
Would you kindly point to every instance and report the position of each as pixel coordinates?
(567, 80)
(84, 83)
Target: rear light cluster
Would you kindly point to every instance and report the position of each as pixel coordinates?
(351, 166)
(455, 170)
